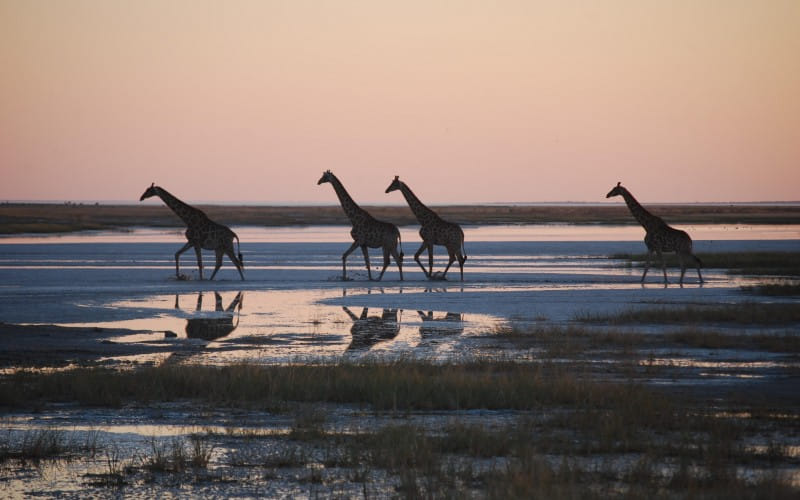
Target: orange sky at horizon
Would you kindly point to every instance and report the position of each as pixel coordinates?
(470, 102)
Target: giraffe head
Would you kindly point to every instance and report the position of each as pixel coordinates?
(395, 185)
(151, 191)
(327, 176)
(617, 191)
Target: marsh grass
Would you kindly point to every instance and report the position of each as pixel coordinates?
(43, 444)
(579, 343)
(747, 313)
(747, 263)
(398, 386)
(774, 289)
(566, 439)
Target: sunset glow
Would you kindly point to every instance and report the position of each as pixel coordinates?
(509, 101)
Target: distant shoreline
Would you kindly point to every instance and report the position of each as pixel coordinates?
(17, 218)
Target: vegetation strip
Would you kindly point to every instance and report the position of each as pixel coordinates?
(749, 263)
(18, 218)
(405, 386)
(748, 313)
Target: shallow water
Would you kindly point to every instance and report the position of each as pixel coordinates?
(294, 303)
(294, 306)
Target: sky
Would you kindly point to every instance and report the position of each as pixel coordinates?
(467, 101)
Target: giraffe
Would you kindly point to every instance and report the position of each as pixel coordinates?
(659, 237)
(202, 232)
(434, 231)
(367, 231)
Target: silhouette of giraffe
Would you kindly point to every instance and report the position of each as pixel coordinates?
(434, 231)
(201, 232)
(214, 327)
(659, 237)
(367, 231)
(370, 330)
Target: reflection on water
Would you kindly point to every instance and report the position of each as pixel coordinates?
(211, 328)
(287, 325)
(432, 326)
(370, 330)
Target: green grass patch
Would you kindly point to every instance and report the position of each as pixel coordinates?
(749, 263)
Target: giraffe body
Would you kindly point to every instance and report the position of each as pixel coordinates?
(367, 232)
(434, 231)
(660, 237)
(201, 233)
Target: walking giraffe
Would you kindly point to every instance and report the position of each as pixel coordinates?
(201, 232)
(659, 237)
(434, 231)
(367, 231)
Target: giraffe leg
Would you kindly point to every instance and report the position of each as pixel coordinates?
(385, 262)
(365, 251)
(697, 264)
(399, 259)
(177, 256)
(197, 251)
(416, 257)
(461, 260)
(236, 262)
(646, 264)
(450, 263)
(217, 265)
(663, 265)
(344, 259)
(683, 268)
(430, 260)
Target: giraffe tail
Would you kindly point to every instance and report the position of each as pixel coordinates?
(463, 250)
(239, 250)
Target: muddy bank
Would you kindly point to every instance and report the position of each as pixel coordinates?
(51, 346)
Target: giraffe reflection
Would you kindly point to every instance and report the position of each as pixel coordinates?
(370, 330)
(450, 324)
(212, 328)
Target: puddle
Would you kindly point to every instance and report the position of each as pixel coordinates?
(282, 325)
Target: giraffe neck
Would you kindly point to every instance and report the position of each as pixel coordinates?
(645, 218)
(186, 212)
(350, 207)
(424, 214)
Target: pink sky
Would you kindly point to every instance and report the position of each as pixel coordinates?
(519, 101)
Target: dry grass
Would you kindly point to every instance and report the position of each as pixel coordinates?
(748, 313)
(399, 386)
(28, 218)
(566, 437)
